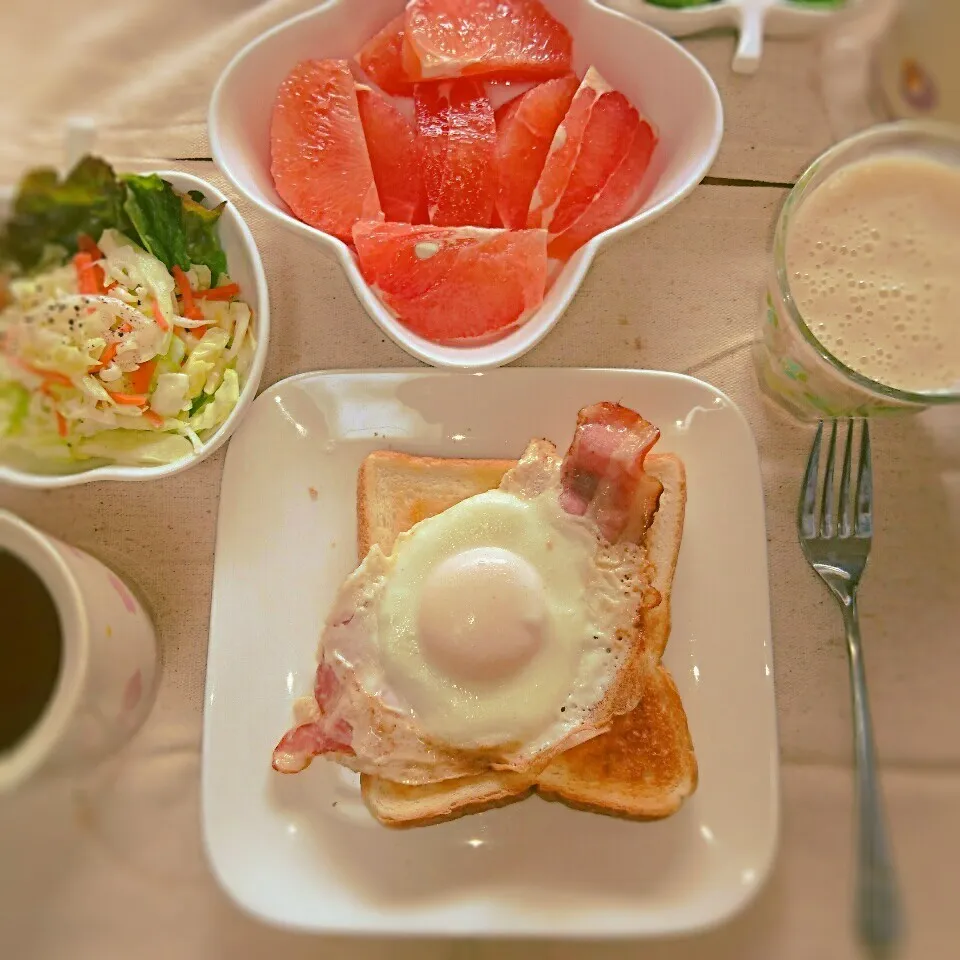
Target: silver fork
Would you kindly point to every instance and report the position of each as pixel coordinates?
(837, 548)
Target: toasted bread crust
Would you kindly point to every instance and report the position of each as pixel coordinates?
(644, 767)
(399, 805)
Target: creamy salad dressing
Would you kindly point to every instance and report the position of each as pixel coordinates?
(873, 261)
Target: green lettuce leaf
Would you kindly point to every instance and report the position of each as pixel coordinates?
(203, 239)
(50, 212)
(176, 228)
(156, 213)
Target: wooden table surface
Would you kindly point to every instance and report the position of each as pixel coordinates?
(113, 866)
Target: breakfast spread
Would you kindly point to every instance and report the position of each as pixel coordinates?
(122, 337)
(504, 630)
(566, 159)
(872, 263)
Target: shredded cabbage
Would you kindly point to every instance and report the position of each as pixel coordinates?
(114, 375)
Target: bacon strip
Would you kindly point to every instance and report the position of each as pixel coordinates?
(327, 734)
(603, 469)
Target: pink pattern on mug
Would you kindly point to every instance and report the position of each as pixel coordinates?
(119, 586)
(132, 692)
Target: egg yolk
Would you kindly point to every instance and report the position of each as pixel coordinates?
(482, 615)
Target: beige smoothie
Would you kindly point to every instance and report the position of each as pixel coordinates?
(873, 261)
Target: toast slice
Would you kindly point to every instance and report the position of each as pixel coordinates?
(644, 766)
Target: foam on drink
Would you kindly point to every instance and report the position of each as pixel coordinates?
(873, 262)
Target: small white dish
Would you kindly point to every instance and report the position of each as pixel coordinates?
(246, 269)
(659, 76)
(751, 18)
(304, 852)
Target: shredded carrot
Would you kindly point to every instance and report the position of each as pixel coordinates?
(110, 286)
(198, 332)
(153, 417)
(50, 376)
(190, 310)
(62, 427)
(128, 399)
(158, 314)
(87, 244)
(227, 292)
(109, 352)
(89, 274)
(141, 377)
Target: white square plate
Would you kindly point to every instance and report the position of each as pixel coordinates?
(303, 851)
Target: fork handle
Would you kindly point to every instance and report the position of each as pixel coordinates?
(878, 907)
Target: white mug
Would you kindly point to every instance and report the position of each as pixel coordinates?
(108, 660)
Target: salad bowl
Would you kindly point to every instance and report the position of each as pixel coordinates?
(665, 82)
(246, 269)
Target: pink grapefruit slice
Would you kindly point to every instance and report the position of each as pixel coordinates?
(457, 138)
(594, 167)
(618, 199)
(394, 158)
(381, 60)
(607, 138)
(319, 159)
(564, 150)
(514, 39)
(454, 284)
(525, 129)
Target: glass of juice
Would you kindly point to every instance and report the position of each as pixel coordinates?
(862, 313)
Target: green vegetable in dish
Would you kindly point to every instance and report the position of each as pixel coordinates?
(176, 228)
(50, 212)
(203, 240)
(14, 403)
(122, 337)
(50, 215)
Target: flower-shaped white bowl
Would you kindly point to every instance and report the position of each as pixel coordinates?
(751, 18)
(667, 84)
(246, 269)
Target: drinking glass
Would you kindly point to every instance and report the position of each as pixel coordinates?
(794, 369)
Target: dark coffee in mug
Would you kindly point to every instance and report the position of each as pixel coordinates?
(31, 644)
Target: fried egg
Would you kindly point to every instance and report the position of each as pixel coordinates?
(494, 636)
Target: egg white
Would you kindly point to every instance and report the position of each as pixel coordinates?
(591, 597)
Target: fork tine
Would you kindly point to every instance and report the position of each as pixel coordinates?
(827, 518)
(846, 501)
(806, 509)
(864, 527)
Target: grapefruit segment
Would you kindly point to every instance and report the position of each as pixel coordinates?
(516, 39)
(454, 284)
(319, 159)
(457, 139)
(564, 150)
(394, 158)
(381, 60)
(525, 129)
(593, 173)
(618, 198)
(609, 133)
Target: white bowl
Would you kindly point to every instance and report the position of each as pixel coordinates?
(246, 269)
(751, 18)
(660, 77)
